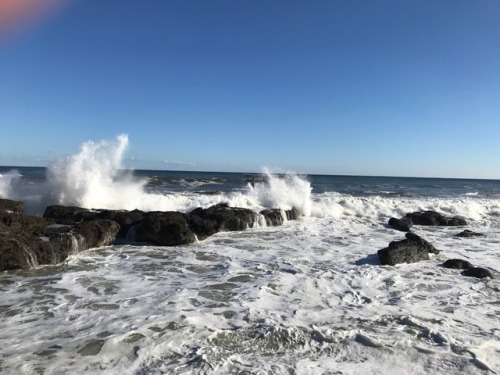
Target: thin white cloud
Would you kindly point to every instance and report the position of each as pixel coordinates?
(178, 163)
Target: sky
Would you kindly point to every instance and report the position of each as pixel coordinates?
(386, 88)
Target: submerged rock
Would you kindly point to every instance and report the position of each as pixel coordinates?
(468, 234)
(410, 250)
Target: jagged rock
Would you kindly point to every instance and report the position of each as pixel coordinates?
(67, 214)
(412, 249)
(434, 218)
(478, 272)
(10, 206)
(73, 215)
(404, 224)
(459, 264)
(227, 218)
(27, 241)
(165, 229)
(468, 234)
(273, 217)
(292, 214)
(97, 233)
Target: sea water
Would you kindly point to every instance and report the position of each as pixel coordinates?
(307, 297)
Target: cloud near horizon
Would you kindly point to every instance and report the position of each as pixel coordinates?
(179, 163)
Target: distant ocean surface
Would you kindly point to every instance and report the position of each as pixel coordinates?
(307, 297)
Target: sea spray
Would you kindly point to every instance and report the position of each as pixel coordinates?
(7, 182)
(95, 178)
(286, 192)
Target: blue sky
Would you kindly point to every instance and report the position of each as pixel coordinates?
(399, 88)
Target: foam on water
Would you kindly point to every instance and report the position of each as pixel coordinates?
(306, 298)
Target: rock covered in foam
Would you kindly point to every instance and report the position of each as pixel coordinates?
(410, 250)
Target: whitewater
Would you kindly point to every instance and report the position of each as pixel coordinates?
(307, 297)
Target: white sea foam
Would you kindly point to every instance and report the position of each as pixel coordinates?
(306, 298)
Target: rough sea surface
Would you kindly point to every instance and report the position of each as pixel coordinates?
(308, 297)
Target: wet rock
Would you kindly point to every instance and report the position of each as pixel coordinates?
(73, 215)
(433, 218)
(410, 250)
(10, 206)
(67, 214)
(404, 224)
(97, 233)
(165, 229)
(458, 264)
(227, 218)
(28, 241)
(478, 272)
(468, 234)
(273, 217)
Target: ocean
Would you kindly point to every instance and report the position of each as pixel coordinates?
(307, 297)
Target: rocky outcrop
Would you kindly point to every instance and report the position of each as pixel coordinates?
(165, 229)
(412, 249)
(74, 215)
(429, 218)
(27, 241)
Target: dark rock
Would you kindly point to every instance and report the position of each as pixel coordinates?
(433, 218)
(478, 272)
(273, 217)
(202, 227)
(67, 214)
(458, 264)
(74, 215)
(292, 214)
(165, 229)
(28, 241)
(404, 224)
(125, 219)
(227, 218)
(468, 234)
(97, 233)
(412, 249)
(10, 206)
